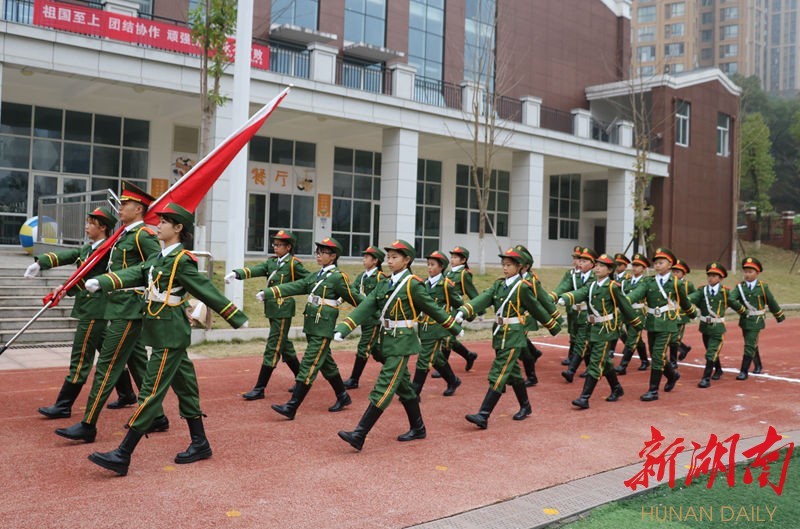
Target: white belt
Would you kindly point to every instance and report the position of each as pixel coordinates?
(756, 312)
(392, 324)
(579, 306)
(600, 319)
(319, 300)
(711, 319)
(161, 297)
(658, 311)
(508, 321)
(637, 305)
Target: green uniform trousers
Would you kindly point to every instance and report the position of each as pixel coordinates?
(368, 342)
(678, 336)
(505, 369)
(750, 342)
(600, 361)
(658, 343)
(431, 355)
(632, 338)
(167, 367)
(578, 340)
(713, 345)
(88, 339)
(317, 358)
(393, 378)
(278, 343)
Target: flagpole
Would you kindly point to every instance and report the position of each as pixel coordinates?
(237, 171)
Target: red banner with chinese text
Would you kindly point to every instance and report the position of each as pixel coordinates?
(143, 32)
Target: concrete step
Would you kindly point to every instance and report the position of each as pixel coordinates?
(39, 336)
(24, 288)
(62, 310)
(25, 301)
(21, 282)
(45, 321)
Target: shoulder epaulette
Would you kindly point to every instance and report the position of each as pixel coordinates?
(190, 255)
(149, 230)
(450, 282)
(527, 282)
(294, 258)
(417, 278)
(344, 275)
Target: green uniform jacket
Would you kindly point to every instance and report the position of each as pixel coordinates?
(291, 269)
(605, 301)
(543, 296)
(131, 249)
(758, 299)
(576, 312)
(463, 280)
(690, 288)
(88, 305)
(713, 307)
(320, 315)
(399, 317)
(522, 301)
(447, 295)
(364, 285)
(169, 280)
(677, 297)
(628, 285)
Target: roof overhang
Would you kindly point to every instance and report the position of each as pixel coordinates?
(369, 52)
(621, 8)
(646, 84)
(299, 35)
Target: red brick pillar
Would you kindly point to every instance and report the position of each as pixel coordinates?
(750, 220)
(787, 220)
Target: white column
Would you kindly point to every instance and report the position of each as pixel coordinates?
(625, 133)
(121, 7)
(581, 123)
(527, 202)
(531, 111)
(237, 171)
(403, 79)
(398, 185)
(619, 217)
(217, 199)
(323, 62)
(468, 90)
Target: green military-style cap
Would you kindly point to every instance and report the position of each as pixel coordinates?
(286, 236)
(607, 260)
(682, 265)
(375, 252)
(525, 253)
(588, 253)
(717, 268)
(333, 244)
(512, 253)
(135, 193)
(179, 214)
(621, 258)
(752, 262)
(576, 251)
(665, 253)
(439, 256)
(460, 250)
(403, 247)
(105, 216)
(641, 260)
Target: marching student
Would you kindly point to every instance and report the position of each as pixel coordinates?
(605, 300)
(89, 310)
(712, 300)
(281, 268)
(677, 349)
(326, 289)
(757, 298)
(621, 264)
(461, 275)
(579, 345)
(633, 337)
(170, 276)
(399, 301)
(514, 301)
(569, 282)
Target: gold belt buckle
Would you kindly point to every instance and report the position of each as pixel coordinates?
(314, 300)
(385, 324)
(657, 312)
(500, 320)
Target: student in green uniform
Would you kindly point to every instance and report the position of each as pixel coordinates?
(121, 343)
(170, 277)
(431, 335)
(677, 349)
(605, 302)
(514, 301)
(621, 264)
(461, 275)
(89, 310)
(579, 334)
(567, 283)
(633, 337)
(712, 300)
(366, 283)
(399, 301)
(326, 289)
(282, 268)
(756, 297)
(664, 296)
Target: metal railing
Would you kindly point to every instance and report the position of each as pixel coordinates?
(555, 119)
(62, 218)
(288, 60)
(508, 108)
(436, 92)
(21, 11)
(374, 78)
(605, 132)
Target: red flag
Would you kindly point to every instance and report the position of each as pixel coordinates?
(188, 191)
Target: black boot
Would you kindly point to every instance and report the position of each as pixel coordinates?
(673, 355)
(521, 391)
(717, 370)
(355, 376)
(466, 354)
(481, 419)
(566, 361)
(452, 380)
(588, 388)
(704, 381)
(342, 398)
(652, 392)
(257, 393)
(585, 372)
(569, 374)
(125, 394)
(672, 375)
(641, 348)
(289, 409)
(368, 420)
(745, 367)
(294, 366)
(82, 431)
(159, 424)
(119, 459)
(417, 427)
(529, 365)
(622, 368)
(683, 350)
(62, 409)
(199, 447)
(419, 380)
(616, 388)
(757, 367)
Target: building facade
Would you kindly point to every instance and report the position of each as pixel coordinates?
(373, 142)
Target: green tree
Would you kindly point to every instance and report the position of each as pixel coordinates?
(757, 167)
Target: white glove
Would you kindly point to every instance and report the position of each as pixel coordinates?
(337, 337)
(92, 285)
(459, 317)
(461, 334)
(32, 271)
(561, 302)
(245, 325)
(230, 277)
(260, 296)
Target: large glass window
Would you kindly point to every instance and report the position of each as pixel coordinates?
(429, 206)
(674, 30)
(646, 14)
(731, 31)
(356, 198)
(674, 49)
(426, 37)
(365, 21)
(467, 208)
(646, 34)
(565, 206)
(479, 42)
(646, 53)
(723, 134)
(677, 9)
(303, 13)
(683, 112)
(729, 13)
(728, 50)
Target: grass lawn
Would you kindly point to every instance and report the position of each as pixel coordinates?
(695, 506)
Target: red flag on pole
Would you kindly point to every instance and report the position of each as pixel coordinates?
(188, 191)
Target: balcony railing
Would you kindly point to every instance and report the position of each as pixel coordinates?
(374, 78)
(508, 108)
(605, 132)
(288, 60)
(437, 93)
(555, 119)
